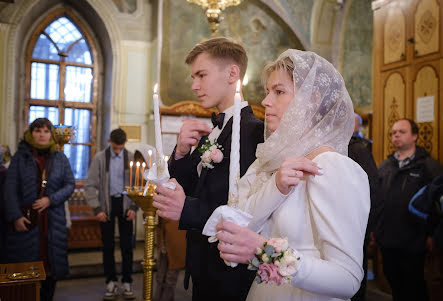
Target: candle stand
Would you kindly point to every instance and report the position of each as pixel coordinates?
(145, 203)
(62, 134)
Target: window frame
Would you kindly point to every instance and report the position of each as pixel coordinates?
(60, 103)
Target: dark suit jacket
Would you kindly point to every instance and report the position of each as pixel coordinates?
(204, 194)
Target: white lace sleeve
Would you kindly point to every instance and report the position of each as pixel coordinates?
(339, 207)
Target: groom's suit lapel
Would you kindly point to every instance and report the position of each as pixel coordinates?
(224, 135)
(220, 140)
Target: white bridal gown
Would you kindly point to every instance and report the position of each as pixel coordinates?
(324, 218)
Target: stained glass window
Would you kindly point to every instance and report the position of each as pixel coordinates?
(61, 83)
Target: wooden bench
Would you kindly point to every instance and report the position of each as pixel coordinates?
(85, 231)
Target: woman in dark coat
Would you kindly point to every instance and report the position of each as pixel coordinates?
(37, 213)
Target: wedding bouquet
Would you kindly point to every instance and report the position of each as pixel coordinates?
(275, 263)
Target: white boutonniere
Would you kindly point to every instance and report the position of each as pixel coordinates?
(211, 153)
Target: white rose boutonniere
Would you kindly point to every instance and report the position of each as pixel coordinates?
(211, 153)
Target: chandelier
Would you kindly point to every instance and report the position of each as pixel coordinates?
(214, 10)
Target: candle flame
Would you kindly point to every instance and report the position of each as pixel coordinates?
(156, 88)
(237, 90)
(143, 164)
(166, 158)
(150, 152)
(131, 163)
(138, 164)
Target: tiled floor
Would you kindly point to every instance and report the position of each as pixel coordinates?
(92, 288)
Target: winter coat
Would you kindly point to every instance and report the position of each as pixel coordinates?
(360, 150)
(21, 188)
(396, 227)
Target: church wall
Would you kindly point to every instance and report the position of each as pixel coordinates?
(257, 27)
(356, 53)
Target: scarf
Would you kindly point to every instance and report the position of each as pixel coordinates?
(52, 145)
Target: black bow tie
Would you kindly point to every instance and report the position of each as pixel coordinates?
(217, 119)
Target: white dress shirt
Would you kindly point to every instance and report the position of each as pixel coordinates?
(216, 131)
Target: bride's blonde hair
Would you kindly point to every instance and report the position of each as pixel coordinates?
(282, 63)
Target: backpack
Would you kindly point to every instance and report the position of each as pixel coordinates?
(427, 203)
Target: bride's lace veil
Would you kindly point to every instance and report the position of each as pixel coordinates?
(320, 114)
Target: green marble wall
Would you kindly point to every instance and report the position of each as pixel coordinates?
(357, 52)
(301, 11)
(263, 34)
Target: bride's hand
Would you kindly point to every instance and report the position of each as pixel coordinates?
(237, 244)
(292, 170)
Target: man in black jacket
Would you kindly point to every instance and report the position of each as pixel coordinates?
(216, 66)
(360, 150)
(402, 239)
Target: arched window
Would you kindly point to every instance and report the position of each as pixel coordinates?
(61, 83)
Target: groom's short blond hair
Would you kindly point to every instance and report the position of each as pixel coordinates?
(221, 48)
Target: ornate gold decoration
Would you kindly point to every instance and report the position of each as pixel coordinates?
(190, 107)
(149, 211)
(425, 133)
(62, 134)
(187, 107)
(23, 275)
(393, 117)
(426, 26)
(214, 10)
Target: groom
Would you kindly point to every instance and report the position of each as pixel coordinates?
(216, 66)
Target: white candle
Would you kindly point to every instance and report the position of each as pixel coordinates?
(143, 172)
(137, 171)
(150, 155)
(130, 174)
(158, 131)
(234, 167)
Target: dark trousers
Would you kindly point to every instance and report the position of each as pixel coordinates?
(108, 232)
(360, 295)
(166, 280)
(404, 271)
(47, 289)
(219, 282)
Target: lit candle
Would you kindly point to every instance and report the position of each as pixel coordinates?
(150, 154)
(143, 172)
(234, 166)
(137, 171)
(130, 174)
(158, 131)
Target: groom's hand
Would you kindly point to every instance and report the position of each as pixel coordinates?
(169, 203)
(190, 134)
(237, 244)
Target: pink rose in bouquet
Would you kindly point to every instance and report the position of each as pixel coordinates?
(280, 244)
(216, 155)
(268, 273)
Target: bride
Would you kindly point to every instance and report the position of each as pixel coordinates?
(303, 186)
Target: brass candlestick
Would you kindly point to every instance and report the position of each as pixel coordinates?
(145, 203)
(62, 134)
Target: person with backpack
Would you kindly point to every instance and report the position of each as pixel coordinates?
(402, 239)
